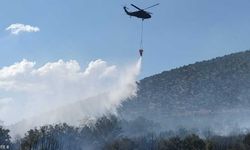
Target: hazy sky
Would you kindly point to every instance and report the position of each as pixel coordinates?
(180, 32)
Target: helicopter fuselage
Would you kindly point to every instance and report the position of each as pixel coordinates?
(139, 14)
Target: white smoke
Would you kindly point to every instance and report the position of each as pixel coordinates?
(62, 92)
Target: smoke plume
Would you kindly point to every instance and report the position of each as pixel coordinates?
(62, 91)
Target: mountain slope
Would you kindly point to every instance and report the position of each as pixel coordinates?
(213, 87)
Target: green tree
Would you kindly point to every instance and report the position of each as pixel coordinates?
(4, 138)
(246, 141)
(193, 142)
(121, 144)
(173, 143)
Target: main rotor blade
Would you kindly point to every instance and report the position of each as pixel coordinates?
(136, 7)
(151, 6)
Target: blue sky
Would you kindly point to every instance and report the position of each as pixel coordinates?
(181, 32)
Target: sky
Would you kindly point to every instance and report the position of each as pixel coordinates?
(180, 32)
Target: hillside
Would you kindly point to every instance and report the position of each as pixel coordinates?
(212, 88)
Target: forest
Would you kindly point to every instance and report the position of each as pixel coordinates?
(112, 133)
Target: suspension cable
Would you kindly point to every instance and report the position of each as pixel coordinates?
(141, 44)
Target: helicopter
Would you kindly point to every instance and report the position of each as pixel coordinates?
(141, 13)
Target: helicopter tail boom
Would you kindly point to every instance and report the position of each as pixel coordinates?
(125, 9)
